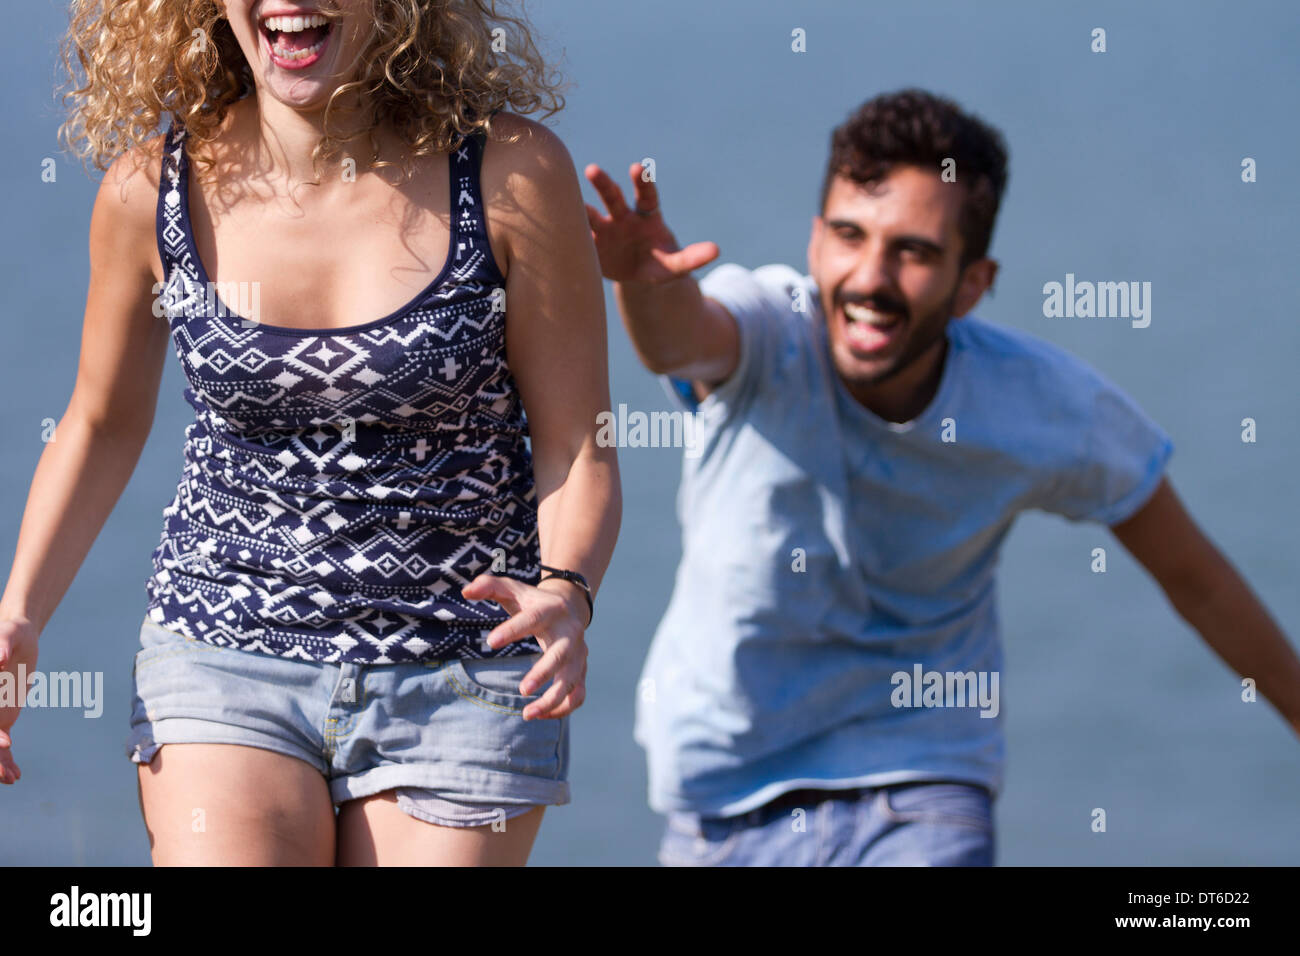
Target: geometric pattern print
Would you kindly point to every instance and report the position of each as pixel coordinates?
(339, 489)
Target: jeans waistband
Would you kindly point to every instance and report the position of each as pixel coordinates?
(810, 796)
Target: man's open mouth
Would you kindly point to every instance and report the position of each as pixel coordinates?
(869, 330)
(296, 40)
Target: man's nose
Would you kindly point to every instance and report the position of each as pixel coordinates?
(871, 273)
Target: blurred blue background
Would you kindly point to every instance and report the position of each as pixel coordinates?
(1124, 166)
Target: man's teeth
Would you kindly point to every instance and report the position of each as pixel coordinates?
(858, 313)
(294, 24)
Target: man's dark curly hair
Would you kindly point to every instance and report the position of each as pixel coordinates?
(915, 128)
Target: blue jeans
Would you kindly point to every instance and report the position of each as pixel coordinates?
(909, 824)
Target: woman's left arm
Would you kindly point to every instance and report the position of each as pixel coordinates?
(556, 345)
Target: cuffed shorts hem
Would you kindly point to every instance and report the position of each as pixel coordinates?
(146, 738)
(483, 789)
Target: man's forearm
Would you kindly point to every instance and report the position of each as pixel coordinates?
(663, 320)
(1236, 625)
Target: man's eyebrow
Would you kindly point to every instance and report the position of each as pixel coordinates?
(922, 242)
(911, 240)
(843, 224)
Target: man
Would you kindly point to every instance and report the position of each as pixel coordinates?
(823, 686)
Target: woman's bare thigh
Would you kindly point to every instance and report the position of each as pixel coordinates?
(375, 831)
(233, 805)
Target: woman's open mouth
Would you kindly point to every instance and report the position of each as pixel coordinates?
(294, 42)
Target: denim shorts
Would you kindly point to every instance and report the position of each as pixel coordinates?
(923, 823)
(448, 736)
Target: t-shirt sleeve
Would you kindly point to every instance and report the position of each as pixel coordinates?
(1119, 458)
(761, 301)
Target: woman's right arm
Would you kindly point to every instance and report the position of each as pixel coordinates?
(96, 444)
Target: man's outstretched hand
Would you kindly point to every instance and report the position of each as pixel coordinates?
(638, 246)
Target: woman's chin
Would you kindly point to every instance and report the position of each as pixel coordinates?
(299, 92)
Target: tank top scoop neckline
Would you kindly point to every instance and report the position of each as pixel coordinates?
(460, 162)
(340, 487)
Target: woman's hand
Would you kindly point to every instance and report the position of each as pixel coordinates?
(554, 613)
(17, 649)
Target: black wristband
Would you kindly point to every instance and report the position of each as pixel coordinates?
(577, 579)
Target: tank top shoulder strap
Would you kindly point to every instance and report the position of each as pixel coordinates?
(173, 181)
(473, 251)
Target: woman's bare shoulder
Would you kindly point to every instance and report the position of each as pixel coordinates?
(522, 154)
(127, 202)
(135, 173)
(527, 176)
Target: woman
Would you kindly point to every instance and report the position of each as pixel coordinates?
(359, 503)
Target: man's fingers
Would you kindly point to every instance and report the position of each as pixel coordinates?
(647, 195)
(687, 260)
(608, 190)
(595, 219)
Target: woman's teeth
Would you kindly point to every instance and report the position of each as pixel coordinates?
(287, 35)
(287, 54)
(294, 24)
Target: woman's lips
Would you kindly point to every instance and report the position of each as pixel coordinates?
(285, 56)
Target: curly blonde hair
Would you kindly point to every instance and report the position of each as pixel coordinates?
(431, 71)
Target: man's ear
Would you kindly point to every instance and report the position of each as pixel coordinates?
(977, 278)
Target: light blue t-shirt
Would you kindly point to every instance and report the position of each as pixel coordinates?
(827, 551)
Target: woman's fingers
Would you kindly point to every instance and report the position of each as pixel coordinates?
(524, 623)
(492, 587)
(545, 668)
(9, 771)
(511, 595)
(567, 691)
(541, 708)
(567, 705)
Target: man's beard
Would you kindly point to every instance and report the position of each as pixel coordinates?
(925, 332)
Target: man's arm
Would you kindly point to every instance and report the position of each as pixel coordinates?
(675, 329)
(1211, 596)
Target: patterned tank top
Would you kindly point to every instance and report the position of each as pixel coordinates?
(340, 488)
